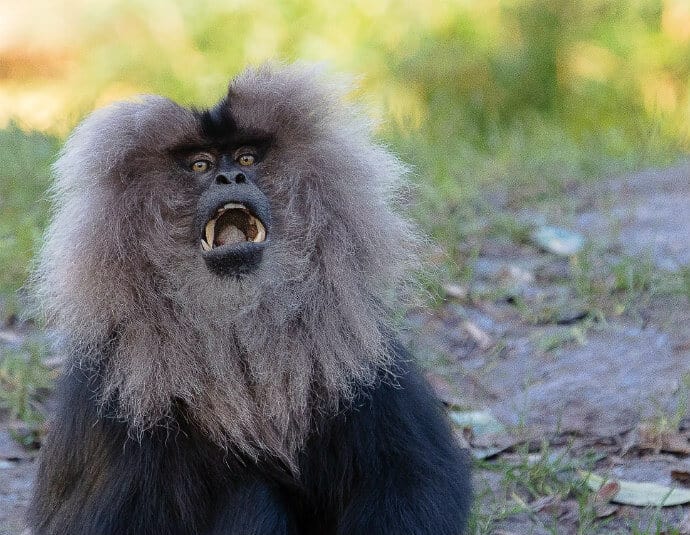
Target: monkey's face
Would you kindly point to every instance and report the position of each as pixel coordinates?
(192, 189)
(232, 223)
(274, 200)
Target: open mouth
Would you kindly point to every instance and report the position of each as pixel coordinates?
(232, 224)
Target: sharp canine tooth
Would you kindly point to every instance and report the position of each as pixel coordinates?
(260, 232)
(205, 246)
(210, 229)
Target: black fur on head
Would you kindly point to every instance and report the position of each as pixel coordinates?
(253, 353)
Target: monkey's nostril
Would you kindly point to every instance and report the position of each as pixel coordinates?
(222, 179)
(240, 178)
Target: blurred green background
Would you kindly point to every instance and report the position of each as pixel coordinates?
(521, 96)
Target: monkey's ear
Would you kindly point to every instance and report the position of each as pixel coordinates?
(107, 137)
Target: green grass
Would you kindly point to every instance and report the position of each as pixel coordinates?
(23, 378)
(527, 477)
(685, 282)
(553, 340)
(24, 178)
(655, 527)
(522, 165)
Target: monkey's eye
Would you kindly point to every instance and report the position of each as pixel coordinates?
(246, 160)
(200, 166)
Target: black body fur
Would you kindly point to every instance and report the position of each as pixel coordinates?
(387, 464)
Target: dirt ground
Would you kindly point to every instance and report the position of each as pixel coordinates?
(524, 343)
(532, 342)
(625, 369)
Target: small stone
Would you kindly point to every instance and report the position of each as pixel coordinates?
(456, 291)
(558, 241)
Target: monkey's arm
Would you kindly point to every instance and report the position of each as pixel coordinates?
(95, 479)
(403, 470)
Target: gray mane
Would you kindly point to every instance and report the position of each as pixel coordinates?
(256, 358)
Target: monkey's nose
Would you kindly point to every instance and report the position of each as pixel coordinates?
(239, 178)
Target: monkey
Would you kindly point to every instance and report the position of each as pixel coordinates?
(222, 281)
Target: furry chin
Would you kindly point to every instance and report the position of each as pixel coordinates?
(216, 336)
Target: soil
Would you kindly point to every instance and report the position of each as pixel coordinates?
(578, 366)
(586, 371)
